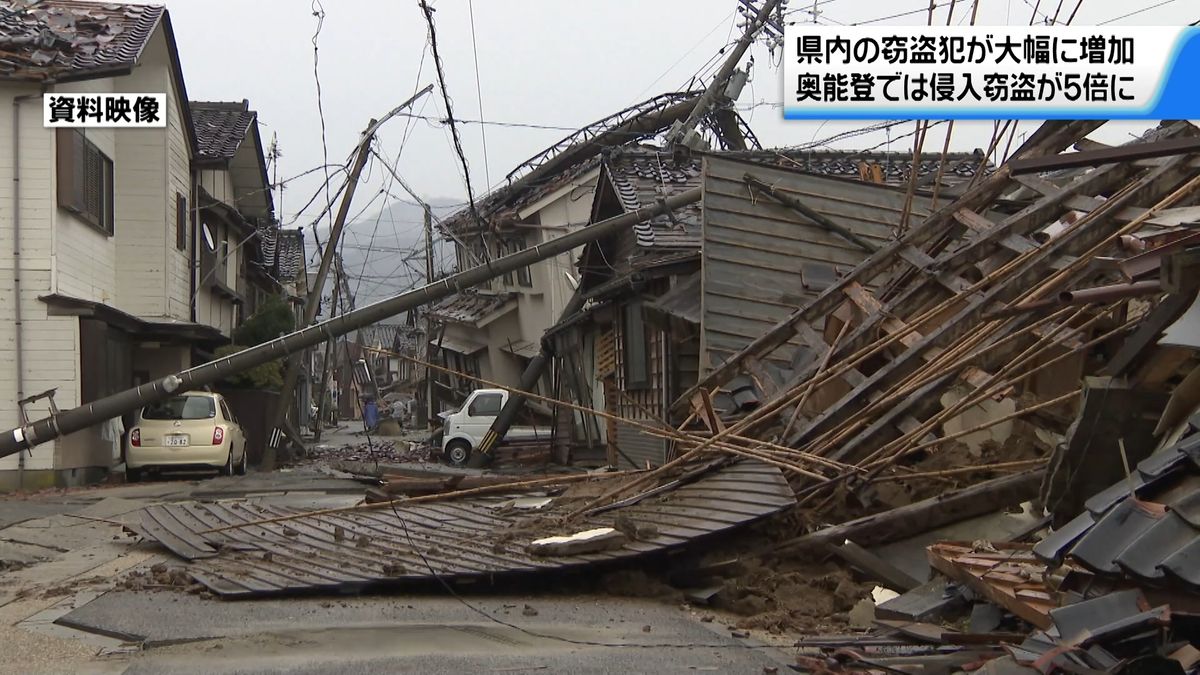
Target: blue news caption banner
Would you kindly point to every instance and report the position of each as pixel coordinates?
(991, 72)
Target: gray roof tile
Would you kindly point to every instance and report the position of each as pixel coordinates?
(1151, 537)
(55, 39)
(221, 127)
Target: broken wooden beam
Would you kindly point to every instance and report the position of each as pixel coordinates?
(1114, 155)
(923, 516)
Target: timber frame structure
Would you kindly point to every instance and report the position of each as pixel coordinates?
(938, 283)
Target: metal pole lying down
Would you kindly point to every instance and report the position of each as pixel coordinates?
(482, 456)
(84, 416)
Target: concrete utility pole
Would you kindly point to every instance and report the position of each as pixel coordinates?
(428, 316)
(90, 414)
(716, 88)
(292, 375)
(538, 365)
(321, 409)
(314, 297)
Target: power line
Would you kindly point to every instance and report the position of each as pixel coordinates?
(1136, 12)
(487, 174)
(441, 75)
(689, 53)
(902, 14)
(491, 123)
(318, 11)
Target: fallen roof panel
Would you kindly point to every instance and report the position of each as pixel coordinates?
(452, 540)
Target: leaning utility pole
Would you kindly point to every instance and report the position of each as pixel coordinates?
(292, 375)
(680, 134)
(286, 393)
(66, 422)
(428, 316)
(321, 409)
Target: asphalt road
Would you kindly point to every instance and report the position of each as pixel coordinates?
(62, 609)
(421, 634)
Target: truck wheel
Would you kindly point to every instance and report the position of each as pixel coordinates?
(458, 452)
(133, 475)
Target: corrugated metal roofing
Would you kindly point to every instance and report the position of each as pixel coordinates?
(63, 38)
(459, 540)
(762, 260)
(1146, 527)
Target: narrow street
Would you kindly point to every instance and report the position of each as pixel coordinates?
(80, 595)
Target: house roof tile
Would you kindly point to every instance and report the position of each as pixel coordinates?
(221, 127)
(59, 39)
(282, 251)
(469, 307)
(642, 177)
(1144, 527)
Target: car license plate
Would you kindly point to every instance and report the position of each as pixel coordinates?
(175, 441)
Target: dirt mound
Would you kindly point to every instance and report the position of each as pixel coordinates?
(791, 597)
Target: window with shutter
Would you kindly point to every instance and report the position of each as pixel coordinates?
(85, 180)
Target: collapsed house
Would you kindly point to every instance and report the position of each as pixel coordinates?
(688, 289)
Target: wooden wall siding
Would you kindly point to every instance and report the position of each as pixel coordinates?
(648, 403)
(756, 251)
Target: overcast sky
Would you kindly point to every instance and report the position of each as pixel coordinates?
(555, 63)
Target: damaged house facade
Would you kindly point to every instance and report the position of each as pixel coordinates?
(665, 301)
(101, 228)
(680, 293)
(492, 331)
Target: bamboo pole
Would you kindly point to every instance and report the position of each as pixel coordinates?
(920, 379)
(980, 394)
(809, 390)
(998, 466)
(667, 432)
(807, 494)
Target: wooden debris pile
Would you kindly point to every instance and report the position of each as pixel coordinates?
(983, 320)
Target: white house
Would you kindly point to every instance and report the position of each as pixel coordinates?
(98, 234)
(493, 331)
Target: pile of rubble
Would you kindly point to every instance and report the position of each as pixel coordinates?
(374, 451)
(980, 444)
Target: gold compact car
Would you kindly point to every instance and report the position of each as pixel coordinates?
(190, 430)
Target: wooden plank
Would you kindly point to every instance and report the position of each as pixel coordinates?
(892, 325)
(925, 515)
(1117, 154)
(703, 407)
(1171, 217)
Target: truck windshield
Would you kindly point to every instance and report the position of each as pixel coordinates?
(486, 405)
(181, 408)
